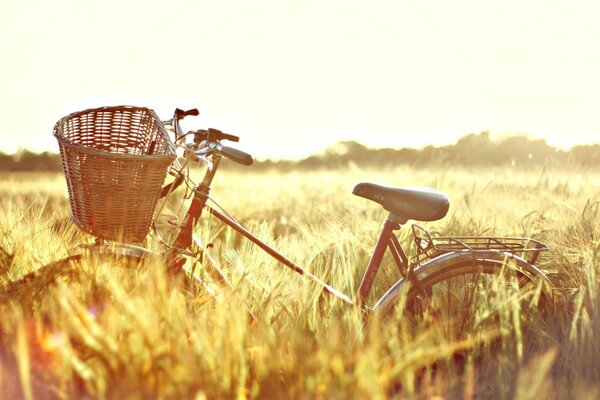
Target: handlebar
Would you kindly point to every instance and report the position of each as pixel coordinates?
(206, 143)
(210, 148)
(178, 115)
(209, 139)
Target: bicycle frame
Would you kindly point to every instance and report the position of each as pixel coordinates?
(185, 238)
(434, 254)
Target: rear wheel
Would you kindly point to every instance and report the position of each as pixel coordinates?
(478, 302)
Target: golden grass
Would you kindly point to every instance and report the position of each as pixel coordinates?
(109, 334)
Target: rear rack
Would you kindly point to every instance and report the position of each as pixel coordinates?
(431, 246)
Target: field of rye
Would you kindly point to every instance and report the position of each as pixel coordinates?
(106, 333)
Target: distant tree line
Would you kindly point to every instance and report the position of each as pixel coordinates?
(26, 160)
(471, 150)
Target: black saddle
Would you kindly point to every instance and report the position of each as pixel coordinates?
(420, 204)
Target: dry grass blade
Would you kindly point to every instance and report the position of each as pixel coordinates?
(100, 333)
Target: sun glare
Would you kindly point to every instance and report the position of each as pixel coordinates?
(292, 78)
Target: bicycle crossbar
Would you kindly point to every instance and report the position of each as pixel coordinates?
(278, 256)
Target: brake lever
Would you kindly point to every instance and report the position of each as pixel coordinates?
(220, 135)
(213, 135)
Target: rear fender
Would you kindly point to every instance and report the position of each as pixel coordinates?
(463, 257)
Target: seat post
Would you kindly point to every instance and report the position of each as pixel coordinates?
(391, 224)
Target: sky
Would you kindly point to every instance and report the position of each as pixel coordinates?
(293, 77)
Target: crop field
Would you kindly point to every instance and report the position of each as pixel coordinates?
(106, 332)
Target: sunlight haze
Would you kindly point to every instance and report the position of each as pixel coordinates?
(293, 77)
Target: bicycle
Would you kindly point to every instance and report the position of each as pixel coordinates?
(447, 272)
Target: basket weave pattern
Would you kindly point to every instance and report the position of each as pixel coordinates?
(115, 161)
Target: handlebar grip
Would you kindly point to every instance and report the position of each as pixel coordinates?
(182, 114)
(236, 155)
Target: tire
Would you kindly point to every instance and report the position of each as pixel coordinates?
(66, 269)
(480, 301)
(70, 270)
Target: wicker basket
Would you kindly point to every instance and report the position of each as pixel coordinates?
(115, 161)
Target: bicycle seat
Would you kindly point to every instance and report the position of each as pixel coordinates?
(420, 204)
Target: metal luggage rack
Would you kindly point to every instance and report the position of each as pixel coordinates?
(431, 246)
